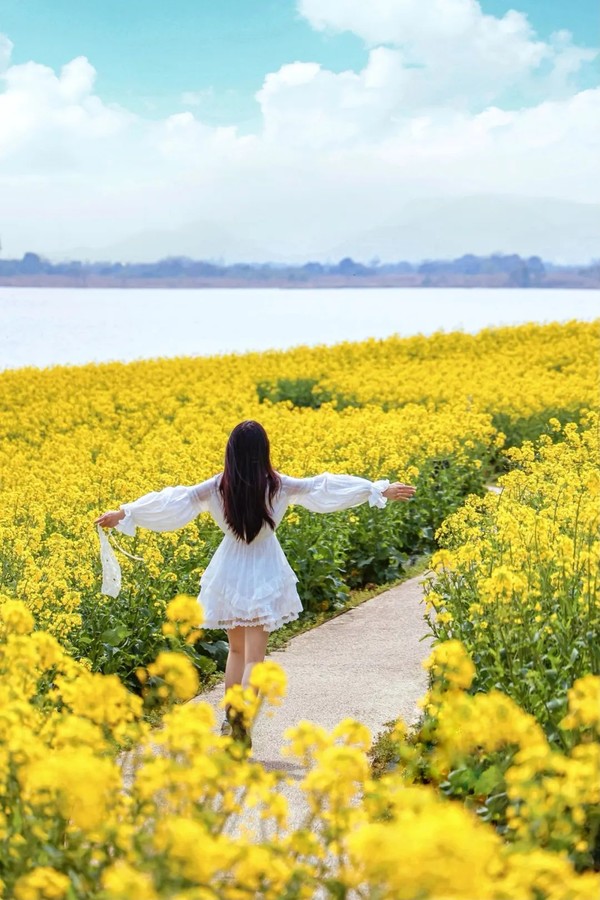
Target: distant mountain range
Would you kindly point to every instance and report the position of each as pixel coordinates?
(429, 228)
(555, 230)
(197, 240)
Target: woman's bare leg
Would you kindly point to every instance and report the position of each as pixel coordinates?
(234, 668)
(255, 648)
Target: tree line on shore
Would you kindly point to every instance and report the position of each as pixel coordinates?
(507, 269)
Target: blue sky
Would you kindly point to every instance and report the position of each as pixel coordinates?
(148, 53)
(299, 129)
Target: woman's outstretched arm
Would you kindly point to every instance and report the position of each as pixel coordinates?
(328, 492)
(165, 510)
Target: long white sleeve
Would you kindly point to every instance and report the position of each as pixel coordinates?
(328, 492)
(166, 510)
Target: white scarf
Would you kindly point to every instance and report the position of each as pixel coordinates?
(111, 570)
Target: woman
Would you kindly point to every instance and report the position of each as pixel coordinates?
(248, 588)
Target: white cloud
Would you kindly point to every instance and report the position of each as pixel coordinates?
(453, 52)
(305, 104)
(338, 153)
(419, 24)
(54, 122)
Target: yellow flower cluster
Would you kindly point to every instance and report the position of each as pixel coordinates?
(43, 882)
(552, 796)
(184, 615)
(174, 675)
(584, 705)
(270, 682)
(449, 660)
(15, 618)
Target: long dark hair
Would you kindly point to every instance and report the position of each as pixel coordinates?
(247, 475)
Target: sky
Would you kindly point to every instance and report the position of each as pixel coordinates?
(290, 127)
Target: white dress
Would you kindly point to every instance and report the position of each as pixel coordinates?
(248, 584)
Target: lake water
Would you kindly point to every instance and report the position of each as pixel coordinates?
(59, 326)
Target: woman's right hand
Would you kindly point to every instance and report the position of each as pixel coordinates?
(399, 491)
(111, 518)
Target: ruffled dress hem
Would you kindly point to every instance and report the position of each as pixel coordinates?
(273, 604)
(268, 623)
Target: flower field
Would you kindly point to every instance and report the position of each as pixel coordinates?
(76, 823)
(515, 605)
(518, 580)
(82, 439)
(494, 795)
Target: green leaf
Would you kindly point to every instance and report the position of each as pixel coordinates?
(488, 780)
(114, 636)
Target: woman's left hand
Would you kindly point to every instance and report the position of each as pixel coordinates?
(399, 491)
